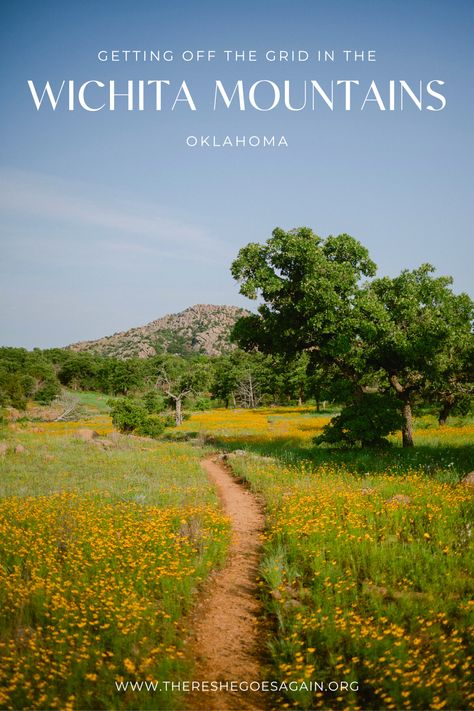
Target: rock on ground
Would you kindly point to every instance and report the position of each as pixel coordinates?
(85, 434)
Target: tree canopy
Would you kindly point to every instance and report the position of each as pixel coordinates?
(409, 333)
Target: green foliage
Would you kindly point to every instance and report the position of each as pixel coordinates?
(170, 342)
(179, 378)
(48, 390)
(127, 415)
(24, 375)
(122, 376)
(12, 391)
(132, 416)
(201, 403)
(419, 329)
(80, 371)
(277, 379)
(151, 426)
(365, 422)
(308, 286)
(154, 402)
(410, 333)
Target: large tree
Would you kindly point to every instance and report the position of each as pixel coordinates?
(380, 334)
(308, 286)
(419, 334)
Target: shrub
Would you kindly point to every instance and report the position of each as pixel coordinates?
(366, 422)
(127, 415)
(131, 416)
(47, 392)
(201, 403)
(154, 402)
(12, 392)
(151, 426)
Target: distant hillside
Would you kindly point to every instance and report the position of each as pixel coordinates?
(199, 329)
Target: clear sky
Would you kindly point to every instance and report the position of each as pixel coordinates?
(109, 220)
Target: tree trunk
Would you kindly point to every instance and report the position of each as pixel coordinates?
(445, 411)
(178, 412)
(405, 396)
(443, 415)
(407, 429)
(251, 394)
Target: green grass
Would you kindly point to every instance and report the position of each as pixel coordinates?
(133, 470)
(95, 401)
(366, 571)
(101, 554)
(367, 579)
(365, 575)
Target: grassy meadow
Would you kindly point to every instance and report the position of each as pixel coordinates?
(103, 545)
(367, 559)
(364, 577)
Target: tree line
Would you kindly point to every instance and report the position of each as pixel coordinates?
(326, 329)
(236, 379)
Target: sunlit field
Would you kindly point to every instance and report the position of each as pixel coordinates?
(365, 575)
(103, 545)
(102, 424)
(367, 559)
(261, 426)
(288, 432)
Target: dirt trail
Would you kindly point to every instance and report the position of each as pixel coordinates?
(229, 638)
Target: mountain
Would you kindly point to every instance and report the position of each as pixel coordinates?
(198, 329)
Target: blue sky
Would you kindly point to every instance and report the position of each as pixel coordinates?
(109, 220)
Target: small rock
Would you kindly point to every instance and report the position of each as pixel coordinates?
(292, 603)
(49, 458)
(3, 449)
(104, 443)
(408, 595)
(375, 589)
(85, 434)
(468, 480)
(19, 449)
(13, 414)
(367, 491)
(399, 499)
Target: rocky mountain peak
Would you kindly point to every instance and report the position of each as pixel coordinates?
(202, 328)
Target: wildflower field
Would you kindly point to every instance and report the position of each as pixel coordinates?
(101, 552)
(365, 574)
(367, 564)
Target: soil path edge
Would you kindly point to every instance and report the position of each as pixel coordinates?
(229, 637)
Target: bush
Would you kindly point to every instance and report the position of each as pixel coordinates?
(152, 426)
(47, 392)
(365, 422)
(170, 421)
(12, 392)
(201, 403)
(127, 415)
(154, 402)
(25, 375)
(131, 416)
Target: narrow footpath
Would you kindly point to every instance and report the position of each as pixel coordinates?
(229, 641)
